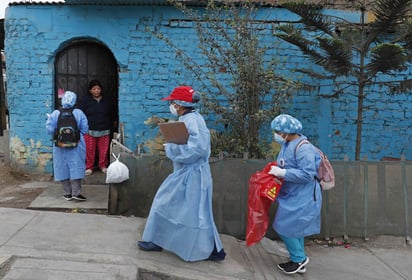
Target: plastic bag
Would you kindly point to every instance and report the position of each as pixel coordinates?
(117, 171)
(263, 190)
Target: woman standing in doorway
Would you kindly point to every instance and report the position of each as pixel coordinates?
(99, 112)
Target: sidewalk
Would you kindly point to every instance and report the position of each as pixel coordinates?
(42, 245)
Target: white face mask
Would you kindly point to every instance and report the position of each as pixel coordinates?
(279, 139)
(173, 110)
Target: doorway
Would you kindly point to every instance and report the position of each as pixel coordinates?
(82, 61)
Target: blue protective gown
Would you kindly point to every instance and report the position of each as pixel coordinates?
(69, 163)
(300, 198)
(181, 217)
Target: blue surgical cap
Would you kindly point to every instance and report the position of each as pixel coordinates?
(185, 103)
(286, 124)
(69, 99)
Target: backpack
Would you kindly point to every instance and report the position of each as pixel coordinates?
(67, 134)
(326, 174)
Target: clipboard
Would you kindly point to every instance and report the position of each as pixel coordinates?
(174, 132)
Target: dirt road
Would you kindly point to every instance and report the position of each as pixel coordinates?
(15, 192)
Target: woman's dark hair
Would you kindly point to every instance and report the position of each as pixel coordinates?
(93, 83)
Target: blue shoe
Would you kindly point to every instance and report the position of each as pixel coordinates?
(148, 246)
(217, 256)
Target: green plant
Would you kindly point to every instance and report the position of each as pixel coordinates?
(354, 54)
(241, 83)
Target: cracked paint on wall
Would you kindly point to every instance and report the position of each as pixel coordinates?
(32, 155)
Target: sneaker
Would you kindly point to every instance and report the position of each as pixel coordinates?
(104, 170)
(79, 197)
(67, 197)
(88, 172)
(292, 267)
(302, 270)
(148, 246)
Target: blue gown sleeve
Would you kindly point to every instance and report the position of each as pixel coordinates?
(51, 122)
(82, 122)
(306, 165)
(197, 147)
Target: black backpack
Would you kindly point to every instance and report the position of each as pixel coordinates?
(67, 134)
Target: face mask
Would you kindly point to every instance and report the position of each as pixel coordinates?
(173, 110)
(279, 139)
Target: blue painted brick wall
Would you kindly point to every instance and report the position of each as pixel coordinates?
(149, 70)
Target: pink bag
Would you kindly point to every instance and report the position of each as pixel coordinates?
(326, 174)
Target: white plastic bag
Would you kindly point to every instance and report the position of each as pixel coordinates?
(117, 171)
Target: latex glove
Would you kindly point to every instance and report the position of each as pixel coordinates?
(277, 171)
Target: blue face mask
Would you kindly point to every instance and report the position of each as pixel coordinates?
(279, 139)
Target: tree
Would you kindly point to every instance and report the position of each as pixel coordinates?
(244, 89)
(354, 54)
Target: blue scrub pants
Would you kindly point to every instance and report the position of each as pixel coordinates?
(296, 248)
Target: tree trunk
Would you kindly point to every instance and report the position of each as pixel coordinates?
(359, 121)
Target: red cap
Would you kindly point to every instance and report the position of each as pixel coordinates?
(182, 93)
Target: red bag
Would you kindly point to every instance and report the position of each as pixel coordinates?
(263, 190)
